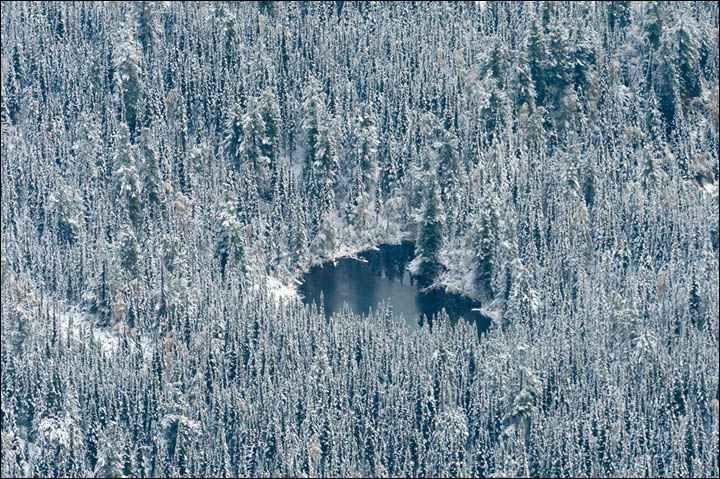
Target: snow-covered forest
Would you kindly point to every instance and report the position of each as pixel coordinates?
(170, 170)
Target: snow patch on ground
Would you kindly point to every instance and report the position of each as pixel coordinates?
(280, 290)
(414, 265)
(352, 250)
(460, 282)
(459, 277)
(82, 325)
(709, 188)
(79, 321)
(492, 311)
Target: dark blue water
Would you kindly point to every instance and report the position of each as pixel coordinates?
(382, 276)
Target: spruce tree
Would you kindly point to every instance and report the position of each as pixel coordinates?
(128, 252)
(666, 80)
(320, 151)
(537, 55)
(111, 459)
(128, 65)
(233, 136)
(688, 58)
(430, 239)
(229, 250)
(126, 178)
(485, 231)
(67, 206)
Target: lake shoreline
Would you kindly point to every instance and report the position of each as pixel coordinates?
(356, 279)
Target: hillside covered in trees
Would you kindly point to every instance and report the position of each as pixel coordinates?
(171, 169)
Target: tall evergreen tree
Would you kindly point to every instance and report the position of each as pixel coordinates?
(485, 229)
(128, 252)
(430, 238)
(688, 58)
(126, 178)
(229, 248)
(666, 80)
(321, 167)
(537, 55)
(233, 136)
(618, 16)
(367, 149)
(150, 172)
(261, 130)
(128, 66)
(111, 460)
(67, 205)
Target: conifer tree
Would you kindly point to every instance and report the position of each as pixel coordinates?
(367, 149)
(618, 16)
(688, 58)
(128, 66)
(261, 138)
(666, 80)
(537, 55)
(229, 248)
(485, 229)
(149, 29)
(128, 252)
(654, 23)
(522, 304)
(430, 240)
(126, 178)
(111, 460)
(233, 136)
(150, 173)
(67, 206)
(448, 171)
(320, 154)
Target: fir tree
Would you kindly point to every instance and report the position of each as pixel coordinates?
(150, 173)
(367, 150)
(111, 460)
(655, 22)
(484, 237)
(229, 248)
(128, 65)
(149, 29)
(537, 55)
(320, 154)
(66, 203)
(128, 252)
(618, 16)
(688, 58)
(233, 136)
(666, 81)
(430, 240)
(126, 178)
(448, 171)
